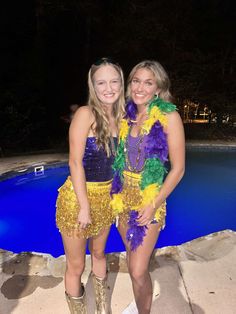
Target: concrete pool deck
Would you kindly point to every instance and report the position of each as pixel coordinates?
(196, 277)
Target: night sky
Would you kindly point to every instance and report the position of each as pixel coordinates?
(47, 48)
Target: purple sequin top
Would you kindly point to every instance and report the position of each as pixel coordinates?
(97, 166)
(133, 144)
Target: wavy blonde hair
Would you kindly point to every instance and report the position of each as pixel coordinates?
(101, 128)
(162, 79)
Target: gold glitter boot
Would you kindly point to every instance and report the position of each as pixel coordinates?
(101, 292)
(77, 305)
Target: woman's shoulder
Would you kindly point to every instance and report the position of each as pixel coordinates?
(83, 119)
(174, 121)
(166, 106)
(84, 112)
(170, 110)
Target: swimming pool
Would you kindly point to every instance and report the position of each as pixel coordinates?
(204, 202)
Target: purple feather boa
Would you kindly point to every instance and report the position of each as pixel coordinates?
(117, 185)
(156, 144)
(155, 147)
(131, 110)
(135, 233)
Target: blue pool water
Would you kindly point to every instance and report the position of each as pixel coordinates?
(204, 202)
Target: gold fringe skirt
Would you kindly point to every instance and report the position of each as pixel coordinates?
(67, 209)
(133, 200)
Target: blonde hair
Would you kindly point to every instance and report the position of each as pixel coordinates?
(101, 128)
(162, 79)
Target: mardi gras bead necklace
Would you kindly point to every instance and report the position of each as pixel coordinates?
(113, 146)
(138, 148)
(156, 149)
(156, 153)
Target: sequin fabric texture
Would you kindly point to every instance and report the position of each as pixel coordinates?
(132, 198)
(97, 166)
(98, 171)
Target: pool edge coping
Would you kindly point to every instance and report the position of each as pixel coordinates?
(25, 163)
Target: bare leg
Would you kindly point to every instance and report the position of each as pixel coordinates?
(97, 247)
(138, 263)
(75, 263)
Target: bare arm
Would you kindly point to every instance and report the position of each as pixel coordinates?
(176, 145)
(78, 133)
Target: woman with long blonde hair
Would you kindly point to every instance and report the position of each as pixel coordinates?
(83, 204)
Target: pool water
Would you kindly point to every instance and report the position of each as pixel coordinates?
(203, 202)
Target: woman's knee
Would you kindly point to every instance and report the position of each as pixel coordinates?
(138, 274)
(98, 254)
(75, 268)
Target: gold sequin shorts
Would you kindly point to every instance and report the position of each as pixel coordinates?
(132, 199)
(68, 209)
